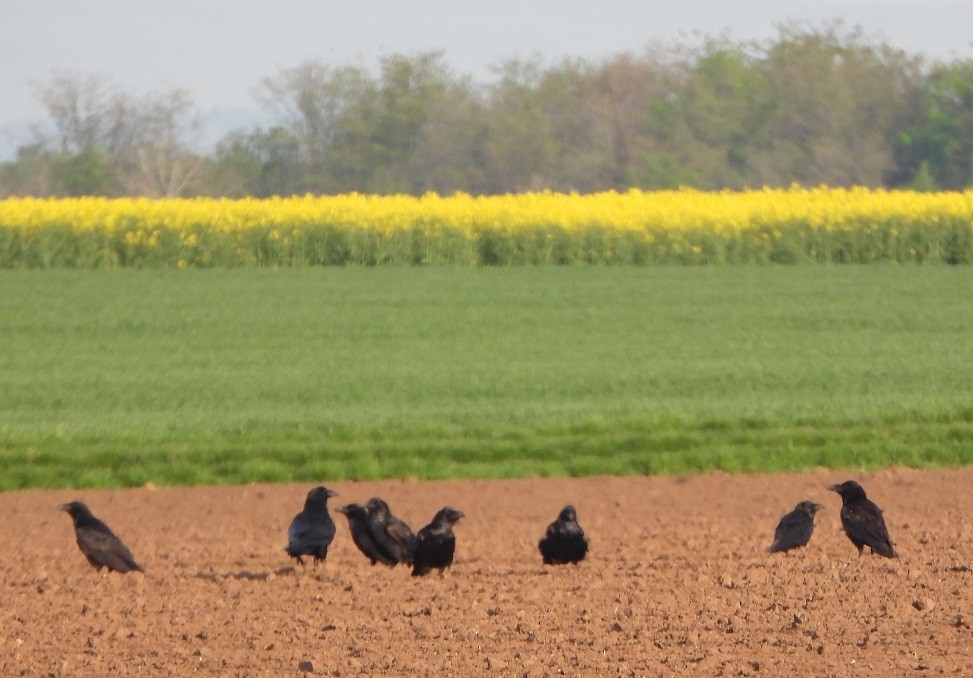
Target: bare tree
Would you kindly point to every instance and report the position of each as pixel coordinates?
(168, 129)
(87, 112)
(108, 141)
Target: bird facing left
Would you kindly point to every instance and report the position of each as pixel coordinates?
(97, 542)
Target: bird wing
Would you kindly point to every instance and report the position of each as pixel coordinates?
(363, 539)
(422, 558)
(298, 530)
(393, 537)
(434, 548)
(794, 530)
(102, 547)
(564, 541)
(865, 523)
(401, 534)
(375, 551)
(304, 531)
(443, 549)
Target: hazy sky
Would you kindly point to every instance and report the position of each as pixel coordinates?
(220, 50)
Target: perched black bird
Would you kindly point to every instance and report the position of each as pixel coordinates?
(564, 541)
(312, 530)
(97, 542)
(863, 521)
(794, 529)
(361, 534)
(391, 534)
(436, 543)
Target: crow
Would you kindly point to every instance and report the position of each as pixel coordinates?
(362, 536)
(863, 521)
(564, 541)
(391, 535)
(97, 542)
(794, 529)
(436, 543)
(312, 530)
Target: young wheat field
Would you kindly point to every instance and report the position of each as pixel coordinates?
(123, 377)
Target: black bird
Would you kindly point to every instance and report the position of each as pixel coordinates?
(564, 541)
(863, 521)
(436, 543)
(97, 542)
(391, 534)
(362, 536)
(312, 530)
(794, 529)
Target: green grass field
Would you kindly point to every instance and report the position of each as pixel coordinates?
(122, 377)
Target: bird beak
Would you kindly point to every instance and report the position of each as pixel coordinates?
(62, 507)
(332, 493)
(818, 507)
(342, 509)
(835, 488)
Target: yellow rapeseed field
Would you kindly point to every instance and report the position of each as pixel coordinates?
(635, 227)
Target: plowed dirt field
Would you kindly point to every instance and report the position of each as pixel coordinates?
(677, 583)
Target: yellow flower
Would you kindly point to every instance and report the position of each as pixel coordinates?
(609, 222)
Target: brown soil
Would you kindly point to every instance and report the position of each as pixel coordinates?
(676, 583)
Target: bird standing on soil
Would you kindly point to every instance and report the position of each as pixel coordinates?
(361, 534)
(312, 530)
(436, 543)
(863, 521)
(391, 534)
(564, 540)
(97, 542)
(795, 528)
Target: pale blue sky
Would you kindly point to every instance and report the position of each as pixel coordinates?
(219, 51)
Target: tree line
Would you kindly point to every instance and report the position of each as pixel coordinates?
(811, 106)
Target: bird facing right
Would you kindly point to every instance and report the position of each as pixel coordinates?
(863, 521)
(795, 528)
(97, 542)
(564, 540)
(436, 543)
(312, 530)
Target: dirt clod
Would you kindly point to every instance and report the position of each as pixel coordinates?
(923, 604)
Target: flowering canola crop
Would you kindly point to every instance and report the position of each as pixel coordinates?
(636, 227)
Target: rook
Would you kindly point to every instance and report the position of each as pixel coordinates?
(391, 534)
(362, 536)
(97, 542)
(863, 521)
(794, 529)
(312, 530)
(564, 541)
(436, 543)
